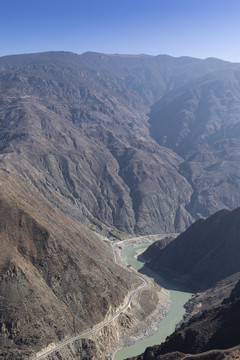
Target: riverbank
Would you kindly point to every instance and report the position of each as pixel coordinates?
(138, 253)
(164, 326)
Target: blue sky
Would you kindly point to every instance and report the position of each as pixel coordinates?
(198, 28)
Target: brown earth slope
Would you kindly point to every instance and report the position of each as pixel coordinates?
(57, 279)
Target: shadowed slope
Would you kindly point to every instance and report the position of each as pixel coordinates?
(201, 123)
(207, 252)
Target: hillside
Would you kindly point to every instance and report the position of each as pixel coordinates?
(119, 144)
(56, 278)
(207, 252)
(76, 127)
(200, 122)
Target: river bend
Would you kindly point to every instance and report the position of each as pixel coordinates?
(166, 326)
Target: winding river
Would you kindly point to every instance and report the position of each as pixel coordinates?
(178, 297)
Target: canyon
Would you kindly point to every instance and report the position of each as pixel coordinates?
(96, 147)
(86, 131)
(206, 258)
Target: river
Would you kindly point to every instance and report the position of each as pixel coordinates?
(175, 315)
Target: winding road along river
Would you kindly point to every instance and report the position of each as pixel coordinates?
(175, 315)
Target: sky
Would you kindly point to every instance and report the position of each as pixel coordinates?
(197, 28)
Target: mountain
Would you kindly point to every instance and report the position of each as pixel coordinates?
(85, 144)
(206, 253)
(200, 122)
(76, 128)
(57, 278)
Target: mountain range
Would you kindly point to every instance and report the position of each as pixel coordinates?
(91, 133)
(118, 144)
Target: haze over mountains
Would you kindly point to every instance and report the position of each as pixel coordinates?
(76, 127)
(201, 123)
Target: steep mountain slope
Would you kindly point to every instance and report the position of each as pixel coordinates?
(57, 279)
(76, 128)
(206, 335)
(201, 123)
(74, 135)
(207, 252)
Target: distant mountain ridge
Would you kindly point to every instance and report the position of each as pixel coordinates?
(201, 123)
(76, 127)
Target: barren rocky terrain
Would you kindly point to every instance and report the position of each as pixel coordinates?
(57, 278)
(118, 144)
(200, 122)
(76, 127)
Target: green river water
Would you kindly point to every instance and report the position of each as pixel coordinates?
(175, 315)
